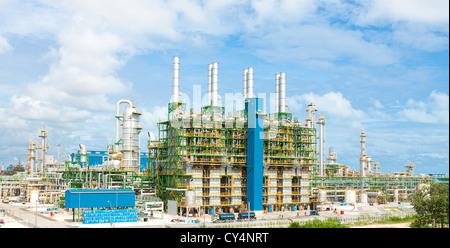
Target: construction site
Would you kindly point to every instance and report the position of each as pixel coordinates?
(209, 162)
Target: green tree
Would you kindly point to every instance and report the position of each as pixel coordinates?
(431, 205)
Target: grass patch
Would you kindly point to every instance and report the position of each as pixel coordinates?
(390, 220)
(316, 223)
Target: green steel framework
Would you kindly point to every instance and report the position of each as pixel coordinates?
(212, 144)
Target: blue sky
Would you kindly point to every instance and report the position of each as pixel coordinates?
(374, 66)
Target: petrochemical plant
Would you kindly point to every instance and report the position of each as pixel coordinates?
(211, 162)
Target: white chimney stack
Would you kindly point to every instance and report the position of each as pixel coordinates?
(176, 78)
(282, 93)
(277, 91)
(215, 84)
(209, 83)
(250, 83)
(245, 83)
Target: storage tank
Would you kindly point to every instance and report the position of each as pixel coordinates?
(322, 195)
(34, 195)
(130, 138)
(190, 197)
(363, 197)
(350, 196)
(83, 154)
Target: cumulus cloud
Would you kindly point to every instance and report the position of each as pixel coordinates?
(435, 110)
(4, 45)
(415, 23)
(417, 11)
(332, 104)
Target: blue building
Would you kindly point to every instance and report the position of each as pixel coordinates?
(96, 158)
(99, 198)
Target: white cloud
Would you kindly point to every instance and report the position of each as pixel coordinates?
(275, 12)
(415, 23)
(4, 45)
(30, 109)
(377, 104)
(11, 122)
(151, 117)
(435, 155)
(332, 104)
(436, 110)
(421, 37)
(417, 11)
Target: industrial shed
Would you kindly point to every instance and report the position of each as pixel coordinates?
(99, 198)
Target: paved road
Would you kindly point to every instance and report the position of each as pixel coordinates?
(24, 216)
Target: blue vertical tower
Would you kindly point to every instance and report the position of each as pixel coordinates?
(255, 146)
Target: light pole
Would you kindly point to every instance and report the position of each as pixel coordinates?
(110, 215)
(35, 216)
(248, 205)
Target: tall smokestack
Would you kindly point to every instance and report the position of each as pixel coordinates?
(277, 92)
(245, 83)
(282, 93)
(176, 78)
(250, 83)
(215, 84)
(209, 83)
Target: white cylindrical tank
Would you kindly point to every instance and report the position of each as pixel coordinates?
(363, 197)
(350, 196)
(83, 154)
(322, 195)
(34, 195)
(130, 138)
(190, 197)
(395, 195)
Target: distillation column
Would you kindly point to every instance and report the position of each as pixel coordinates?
(130, 138)
(362, 158)
(32, 158)
(44, 147)
(321, 122)
(311, 110)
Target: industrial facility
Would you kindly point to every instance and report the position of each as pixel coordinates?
(209, 162)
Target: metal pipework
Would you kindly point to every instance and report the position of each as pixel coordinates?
(215, 84)
(250, 83)
(116, 145)
(282, 93)
(176, 78)
(209, 84)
